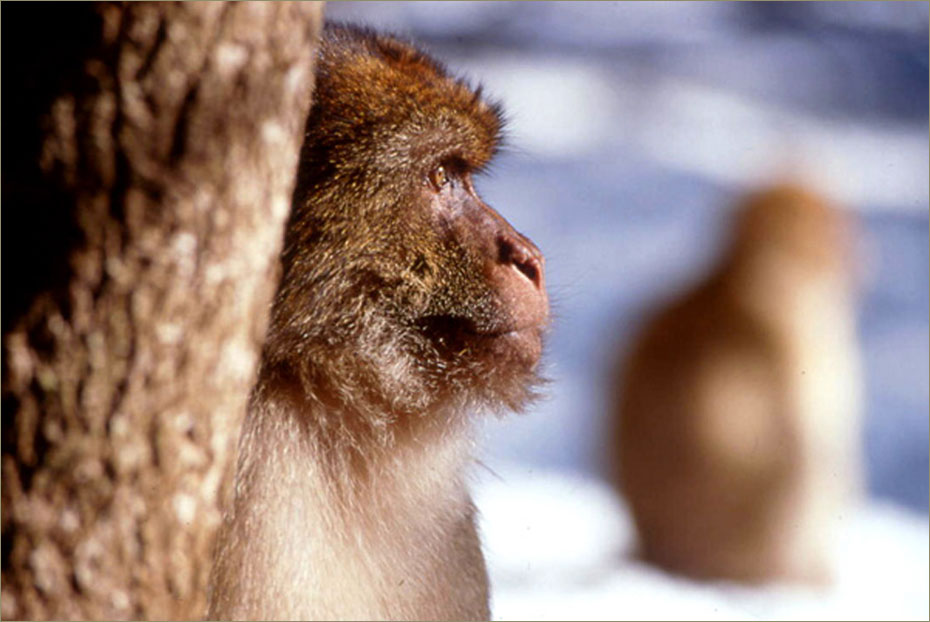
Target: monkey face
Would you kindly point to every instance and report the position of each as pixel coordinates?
(399, 283)
(490, 280)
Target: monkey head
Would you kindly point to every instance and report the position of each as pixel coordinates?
(797, 231)
(402, 292)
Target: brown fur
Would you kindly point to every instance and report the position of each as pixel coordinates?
(737, 411)
(403, 306)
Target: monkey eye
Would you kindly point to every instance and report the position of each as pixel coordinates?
(438, 177)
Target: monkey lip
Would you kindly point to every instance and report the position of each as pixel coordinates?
(509, 332)
(463, 326)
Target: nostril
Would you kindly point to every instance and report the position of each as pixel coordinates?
(518, 254)
(531, 271)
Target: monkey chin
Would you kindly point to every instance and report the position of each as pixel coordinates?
(518, 351)
(460, 341)
(522, 345)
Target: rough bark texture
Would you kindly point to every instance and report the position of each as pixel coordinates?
(149, 155)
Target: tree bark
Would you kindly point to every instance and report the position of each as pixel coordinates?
(149, 157)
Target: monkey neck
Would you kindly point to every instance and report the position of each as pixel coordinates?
(406, 459)
(323, 531)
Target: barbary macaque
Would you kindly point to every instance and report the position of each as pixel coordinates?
(736, 415)
(405, 305)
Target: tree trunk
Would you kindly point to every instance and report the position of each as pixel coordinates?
(149, 156)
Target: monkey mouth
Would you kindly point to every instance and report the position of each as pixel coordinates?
(451, 325)
(520, 344)
(509, 332)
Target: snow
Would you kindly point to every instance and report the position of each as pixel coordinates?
(561, 547)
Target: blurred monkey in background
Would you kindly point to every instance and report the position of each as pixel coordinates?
(737, 412)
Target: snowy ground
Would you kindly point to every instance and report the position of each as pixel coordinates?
(560, 548)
